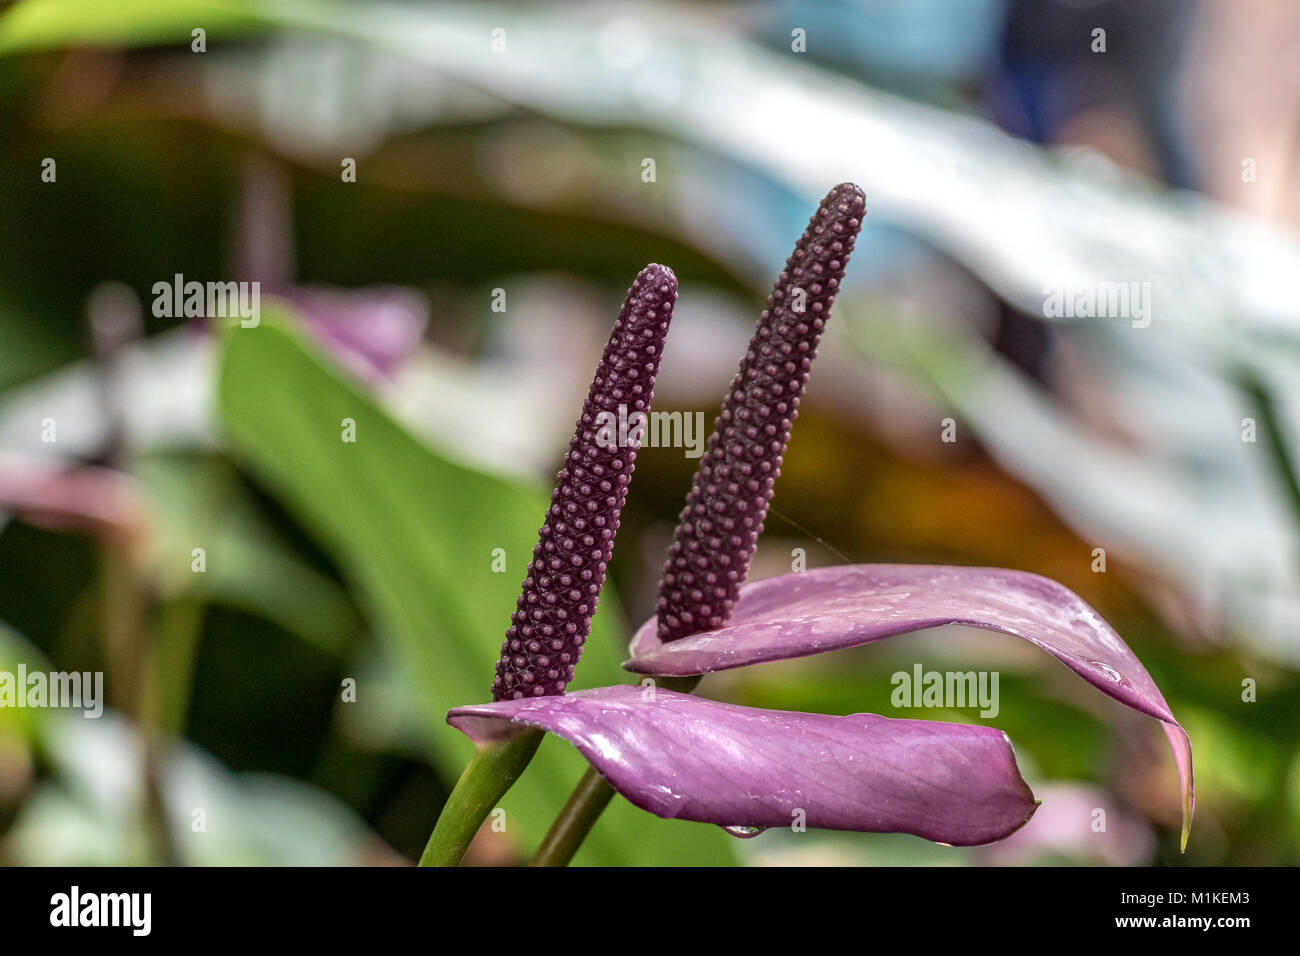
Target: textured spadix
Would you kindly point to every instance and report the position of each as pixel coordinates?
(796, 615)
(682, 757)
(719, 527)
(553, 616)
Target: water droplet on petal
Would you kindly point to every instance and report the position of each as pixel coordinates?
(1110, 673)
(744, 833)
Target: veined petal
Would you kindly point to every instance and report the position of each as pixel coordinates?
(683, 757)
(797, 615)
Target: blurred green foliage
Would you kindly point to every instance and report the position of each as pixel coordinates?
(418, 533)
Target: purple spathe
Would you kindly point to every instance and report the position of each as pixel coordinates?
(796, 615)
(683, 757)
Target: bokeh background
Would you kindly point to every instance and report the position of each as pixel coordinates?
(1002, 154)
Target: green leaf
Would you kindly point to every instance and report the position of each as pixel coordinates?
(415, 531)
(20, 724)
(89, 810)
(41, 24)
(200, 503)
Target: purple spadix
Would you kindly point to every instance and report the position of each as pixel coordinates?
(719, 527)
(560, 593)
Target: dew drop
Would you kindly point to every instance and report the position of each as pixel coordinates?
(744, 833)
(1106, 669)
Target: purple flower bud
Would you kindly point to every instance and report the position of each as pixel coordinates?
(563, 585)
(719, 527)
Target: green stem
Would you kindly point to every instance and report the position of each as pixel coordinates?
(487, 777)
(580, 812)
(589, 798)
(1274, 433)
(170, 664)
(683, 685)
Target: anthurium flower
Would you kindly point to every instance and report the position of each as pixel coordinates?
(552, 619)
(746, 769)
(678, 756)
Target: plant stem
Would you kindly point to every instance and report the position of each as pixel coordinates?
(589, 798)
(682, 685)
(487, 777)
(1274, 432)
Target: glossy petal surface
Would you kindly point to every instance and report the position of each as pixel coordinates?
(796, 615)
(683, 757)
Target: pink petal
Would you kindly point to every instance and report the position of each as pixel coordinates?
(371, 331)
(796, 615)
(687, 758)
(83, 498)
